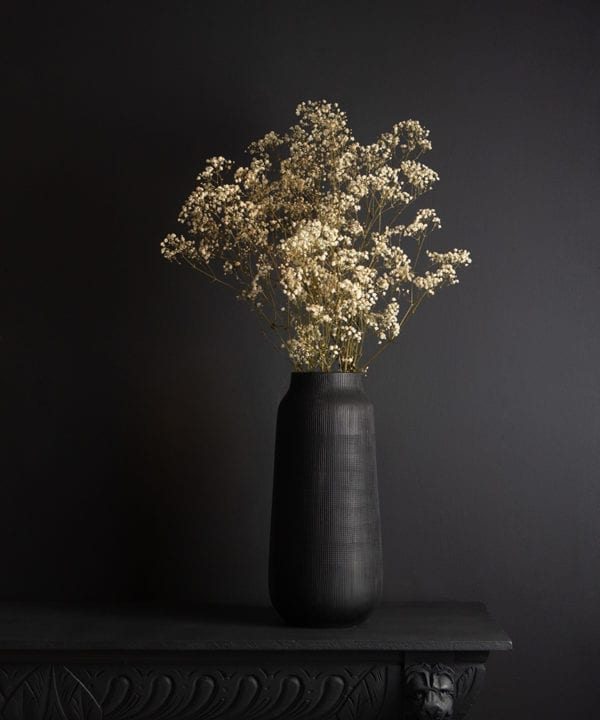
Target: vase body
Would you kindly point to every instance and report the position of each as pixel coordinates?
(325, 563)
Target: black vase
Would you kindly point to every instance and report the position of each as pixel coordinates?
(325, 565)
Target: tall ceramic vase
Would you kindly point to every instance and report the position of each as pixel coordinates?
(325, 566)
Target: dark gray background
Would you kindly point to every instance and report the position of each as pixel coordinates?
(139, 402)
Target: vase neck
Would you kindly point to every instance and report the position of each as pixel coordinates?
(321, 381)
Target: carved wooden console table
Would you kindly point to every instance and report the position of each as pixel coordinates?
(408, 661)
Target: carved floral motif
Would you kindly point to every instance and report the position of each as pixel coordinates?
(103, 692)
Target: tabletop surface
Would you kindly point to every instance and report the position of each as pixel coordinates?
(393, 626)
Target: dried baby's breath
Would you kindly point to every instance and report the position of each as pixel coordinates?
(309, 234)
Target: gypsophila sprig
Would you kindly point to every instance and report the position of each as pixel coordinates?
(310, 234)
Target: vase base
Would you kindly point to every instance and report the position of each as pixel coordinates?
(306, 620)
(324, 625)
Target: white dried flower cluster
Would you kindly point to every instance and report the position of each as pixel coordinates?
(309, 234)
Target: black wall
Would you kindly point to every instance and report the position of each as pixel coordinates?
(139, 402)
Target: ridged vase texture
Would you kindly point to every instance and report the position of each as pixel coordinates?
(325, 564)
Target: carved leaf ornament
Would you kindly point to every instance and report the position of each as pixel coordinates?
(49, 692)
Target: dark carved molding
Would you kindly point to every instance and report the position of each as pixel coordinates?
(440, 691)
(408, 662)
(438, 688)
(124, 692)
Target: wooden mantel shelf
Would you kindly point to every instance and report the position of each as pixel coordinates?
(408, 660)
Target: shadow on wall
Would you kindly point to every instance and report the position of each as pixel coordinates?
(138, 493)
(198, 487)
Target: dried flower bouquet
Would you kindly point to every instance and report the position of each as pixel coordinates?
(309, 233)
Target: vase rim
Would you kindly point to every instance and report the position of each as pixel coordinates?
(326, 380)
(328, 372)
